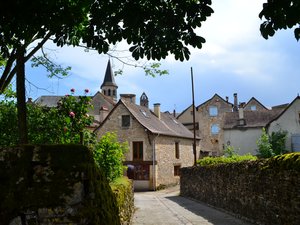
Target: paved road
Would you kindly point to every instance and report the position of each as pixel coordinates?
(168, 208)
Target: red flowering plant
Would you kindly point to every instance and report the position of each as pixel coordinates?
(75, 118)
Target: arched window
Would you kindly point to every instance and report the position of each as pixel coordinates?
(109, 92)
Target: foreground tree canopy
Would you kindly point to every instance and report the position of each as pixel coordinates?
(280, 14)
(152, 28)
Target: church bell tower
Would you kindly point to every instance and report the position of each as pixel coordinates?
(109, 86)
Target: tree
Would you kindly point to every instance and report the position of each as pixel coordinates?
(153, 28)
(280, 14)
(66, 123)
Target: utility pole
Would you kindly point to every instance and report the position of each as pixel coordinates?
(194, 125)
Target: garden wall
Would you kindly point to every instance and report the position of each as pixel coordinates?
(56, 184)
(265, 192)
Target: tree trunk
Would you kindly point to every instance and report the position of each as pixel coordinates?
(21, 98)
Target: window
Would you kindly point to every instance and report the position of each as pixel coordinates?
(137, 150)
(126, 121)
(177, 170)
(177, 150)
(213, 111)
(253, 107)
(214, 129)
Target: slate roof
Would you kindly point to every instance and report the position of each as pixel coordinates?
(253, 119)
(98, 100)
(109, 79)
(49, 101)
(166, 125)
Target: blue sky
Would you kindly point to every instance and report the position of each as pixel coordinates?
(234, 59)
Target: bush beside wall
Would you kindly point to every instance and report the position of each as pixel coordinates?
(264, 191)
(123, 191)
(57, 184)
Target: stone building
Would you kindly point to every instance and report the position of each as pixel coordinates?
(103, 101)
(209, 117)
(159, 145)
(243, 128)
(216, 116)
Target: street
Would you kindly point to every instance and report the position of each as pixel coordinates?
(166, 207)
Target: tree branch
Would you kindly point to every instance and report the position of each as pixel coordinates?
(8, 66)
(7, 79)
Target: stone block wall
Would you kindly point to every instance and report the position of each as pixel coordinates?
(54, 184)
(166, 159)
(265, 192)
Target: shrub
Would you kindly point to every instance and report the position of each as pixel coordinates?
(123, 190)
(229, 157)
(271, 145)
(109, 154)
(264, 146)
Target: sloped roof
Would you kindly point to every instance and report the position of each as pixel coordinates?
(184, 111)
(166, 125)
(215, 95)
(284, 110)
(253, 119)
(109, 79)
(98, 100)
(49, 101)
(255, 100)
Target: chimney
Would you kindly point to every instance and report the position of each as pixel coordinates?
(157, 110)
(227, 98)
(128, 97)
(29, 101)
(241, 119)
(174, 113)
(235, 103)
(103, 112)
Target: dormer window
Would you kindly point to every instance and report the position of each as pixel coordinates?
(125, 121)
(213, 110)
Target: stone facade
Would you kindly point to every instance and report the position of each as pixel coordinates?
(159, 165)
(210, 125)
(264, 192)
(167, 160)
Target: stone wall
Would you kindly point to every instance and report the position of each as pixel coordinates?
(54, 184)
(166, 159)
(266, 192)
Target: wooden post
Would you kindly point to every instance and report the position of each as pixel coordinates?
(194, 126)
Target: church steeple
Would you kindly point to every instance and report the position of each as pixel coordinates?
(109, 86)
